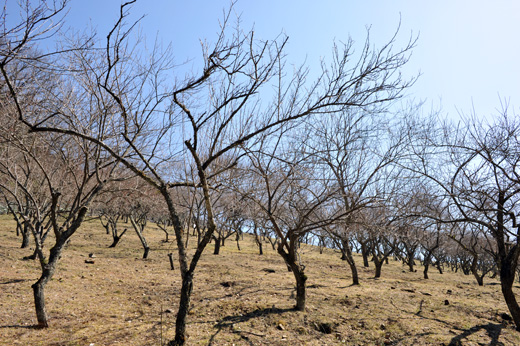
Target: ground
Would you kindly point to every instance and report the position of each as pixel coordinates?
(239, 298)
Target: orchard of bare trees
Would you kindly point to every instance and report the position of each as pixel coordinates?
(104, 128)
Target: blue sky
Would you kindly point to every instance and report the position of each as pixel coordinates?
(468, 51)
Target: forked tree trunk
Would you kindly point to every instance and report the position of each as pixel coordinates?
(346, 254)
(116, 238)
(377, 264)
(139, 230)
(438, 266)
(474, 271)
(298, 272)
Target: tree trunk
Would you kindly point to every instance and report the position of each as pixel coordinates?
(39, 303)
(364, 253)
(139, 230)
(301, 280)
(116, 237)
(238, 241)
(182, 313)
(410, 262)
(438, 266)
(378, 264)
(352, 264)
(507, 277)
(216, 249)
(25, 238)
(427, 260)
(474, 271)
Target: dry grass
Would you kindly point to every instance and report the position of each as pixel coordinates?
(121, 299)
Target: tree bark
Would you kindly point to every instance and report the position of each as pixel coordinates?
(139, 232)
(506, 281)
(474, 271)
(364, 253)
(182, 313)
(216, 249)
(352, 264)
(26, 234)
(377, 264)
(301, 280)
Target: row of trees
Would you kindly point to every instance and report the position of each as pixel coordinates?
(245, 145)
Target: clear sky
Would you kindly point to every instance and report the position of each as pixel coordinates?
(468, 51)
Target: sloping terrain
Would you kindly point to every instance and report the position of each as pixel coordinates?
(239, 298)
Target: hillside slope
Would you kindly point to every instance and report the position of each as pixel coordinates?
(239, 298)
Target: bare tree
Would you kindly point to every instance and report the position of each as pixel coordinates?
(473, 169)
(150, 125)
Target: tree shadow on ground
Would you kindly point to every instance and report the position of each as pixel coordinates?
(493, 331)
(33, 326)
(13, 281)
(229, 322)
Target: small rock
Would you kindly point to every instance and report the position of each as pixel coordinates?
(449, 291)
(90, 261)
(382, 327)
(168, 311)
(506, 317)
(227, 284)
(446, 302)
(269, 270)
(284, 336)
(91, 255)
(280, 326)
(392, 288)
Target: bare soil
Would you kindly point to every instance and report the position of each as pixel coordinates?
(239, 298)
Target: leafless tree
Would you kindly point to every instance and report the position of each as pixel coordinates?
(473, 167)
(151, 125)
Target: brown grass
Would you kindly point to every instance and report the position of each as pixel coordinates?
(122, 299)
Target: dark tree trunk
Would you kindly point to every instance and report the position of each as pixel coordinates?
(258, 241)
(425, 271)
(427, 260)
(474, 271)
(216, 249)
(301, 280)
(182, 313)
(352, 264)
(170, 257)
(116, 238)
(139, 230)
(507, 277)
(378, 264)
(39, 303)
(364, 253)
(438, 266)
(26, 234)
(238, 241)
